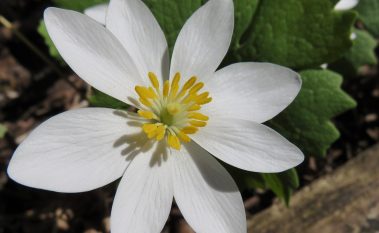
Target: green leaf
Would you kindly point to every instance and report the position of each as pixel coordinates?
(49, 43)
(78, 5)
(296, 33)
(244, 179)
(282, 184)
(3, 130)
(100, 99)
(243, 13)
(369, 13)
(362, 53)
(306, 122)
(172, 15)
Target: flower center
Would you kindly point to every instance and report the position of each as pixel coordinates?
(173, 113)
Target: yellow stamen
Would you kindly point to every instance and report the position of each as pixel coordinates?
(189, 98)
(190, 83)
(152, 92)
(198, 116)
(198, 123)
(173, 141)
(189, 130)
(187, 86)
(204, 101)
(201, 98)
(166, 88)
(147, 128)
(172, 111)
(161, 130)
(145, 102)
(147, 93)
(196, 88)
(152, 134)
(175, 85)
(146, 114)
(184, 137)
(154, 80)
(194, 107)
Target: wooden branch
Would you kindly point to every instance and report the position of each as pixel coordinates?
(345, 201)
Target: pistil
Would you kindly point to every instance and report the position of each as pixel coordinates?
(173, 112)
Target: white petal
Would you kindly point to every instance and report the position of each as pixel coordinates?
(206, 194)
(97, 12)
(353, 36)
(324, 66)
(93, 53)
(248, 145)
(134, 25)
(346, 4)
(144, 196)
(74, 151)
(204, 40)
(251, 91)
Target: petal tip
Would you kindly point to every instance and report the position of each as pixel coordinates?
(48, 12)
(296, 160)
(10, 170)
(298, 80)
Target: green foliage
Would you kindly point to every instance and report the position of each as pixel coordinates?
(362, 53)
(369, 14)
(244, 179)
(172, 15)
(296, 33)
(306, 122)
(99, 99)
(49, 43)
(3, 130)
(282, 184)
(244, 11)
(77, 5)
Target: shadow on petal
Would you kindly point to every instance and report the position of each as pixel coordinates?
(210, 168)
(160, 154)
(136, 143)
(165, 65)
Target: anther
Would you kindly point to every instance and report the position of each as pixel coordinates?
(173, 141)
(154, 80)
(146, 114)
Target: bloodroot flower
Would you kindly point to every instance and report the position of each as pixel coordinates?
(187, 113)
(346, 4)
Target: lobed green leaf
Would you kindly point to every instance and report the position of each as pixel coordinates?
(369, 13)
(282, 184)
(306, 122)
(171, 16)
(296, 33)
(362, 53)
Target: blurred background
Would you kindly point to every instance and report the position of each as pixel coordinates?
(35, 86)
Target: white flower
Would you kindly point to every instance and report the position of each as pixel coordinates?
(97, 12)
(84, 149)
(346, 4)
